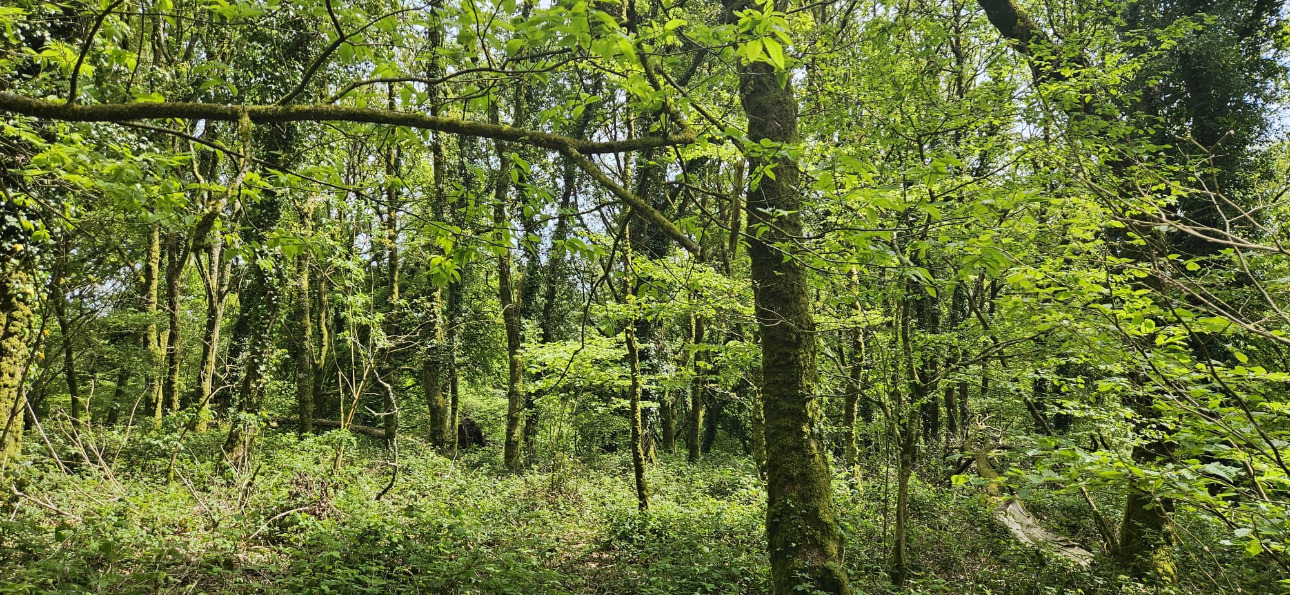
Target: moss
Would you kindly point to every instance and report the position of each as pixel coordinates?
(801, 527)
(1146, 538)
(16, 292)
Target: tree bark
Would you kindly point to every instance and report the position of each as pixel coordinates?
(176, 259)
(58, 296)
(443, 427)
(698, 390)
(306, 366)
(634, 394)
(511, 446)
(152, 337)
(801, 529)
(215, 282)
(17, 292)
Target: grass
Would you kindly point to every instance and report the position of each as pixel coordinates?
(298, 522)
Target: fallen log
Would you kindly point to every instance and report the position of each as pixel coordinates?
(1013, 516)
(377, 433)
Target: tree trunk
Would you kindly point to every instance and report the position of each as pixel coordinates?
(713, 424)
(855, 383)
(634, 395)
(261, 301)
(260, 304)
(118, 396)
(801, 530)
(443, 429)
(1146, 530)
(907, 439)
(58, 296)
(17, 291)
(667, 415)
(510, 311)
(152, 337)
(215, 282)
(453, 311)
(306, 366)
(436, 399)
(758, 424)
(176, 258)
(698, 389)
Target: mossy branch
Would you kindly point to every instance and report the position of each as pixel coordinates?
(264, 114)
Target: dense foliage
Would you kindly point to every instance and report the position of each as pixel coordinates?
(644, 296)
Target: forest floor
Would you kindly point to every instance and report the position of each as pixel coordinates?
(297, 522)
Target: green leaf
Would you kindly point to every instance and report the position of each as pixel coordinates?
(775, 51)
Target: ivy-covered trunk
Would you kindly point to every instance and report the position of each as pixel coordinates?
(261, 306)
(801, 529)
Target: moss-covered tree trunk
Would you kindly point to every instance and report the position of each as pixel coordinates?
(152, 340)
(1145, 546)
(801, 529)
(454, 305)
(432, 366)
(17, 293)
(512, 441)
(176, 259)
(216, 276)
(306, 362)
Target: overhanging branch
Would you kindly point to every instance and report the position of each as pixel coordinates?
(640, 208)
(575, 149)
(264, 114)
